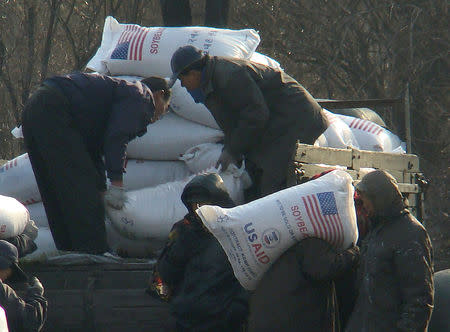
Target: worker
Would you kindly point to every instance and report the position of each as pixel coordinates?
(23, 314)
(395, 275)
(177, 13)
(262, 111)
(297, 292)
(193, 272)
(75, 126)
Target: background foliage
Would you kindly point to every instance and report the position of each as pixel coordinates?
(346, 49)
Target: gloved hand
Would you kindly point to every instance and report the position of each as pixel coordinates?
(31, 230)
(225, 159)
(35, 286)
(115, 197)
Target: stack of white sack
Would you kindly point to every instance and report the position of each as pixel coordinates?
(373, 137)
(150, 213)
(46, 247)
(17, 178)
(254, 235)
(169, 137)
(338, 134)
(141, 228)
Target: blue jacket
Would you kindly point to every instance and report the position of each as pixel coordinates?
(108, 112)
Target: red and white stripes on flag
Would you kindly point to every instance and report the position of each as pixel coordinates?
(135, 36)
(365, 125)
(324, 217)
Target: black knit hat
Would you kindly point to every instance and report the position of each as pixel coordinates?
(9, 258)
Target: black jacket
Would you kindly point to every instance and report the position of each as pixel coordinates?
(297, 292)
(108, 113)
(23, 315)
(395, 275)
(262, 111)
(204, 293)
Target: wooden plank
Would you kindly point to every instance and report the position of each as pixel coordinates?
(313, 169)
(318, 155)
(125, 266)
(126, 298)
(103, 279)
(385, 161)
(404, 187)
(143, 315)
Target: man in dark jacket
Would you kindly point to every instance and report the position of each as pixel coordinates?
(297, 292)
(177, 13)
(69, 124)
(262, 111)
(24, 242)
(27, 314)
(395, 275)
(193, 272)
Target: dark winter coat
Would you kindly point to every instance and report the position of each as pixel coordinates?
(203, 292)
(297, 292)
(108, 113)
(23, 315)
(263, 112)
(395, 276)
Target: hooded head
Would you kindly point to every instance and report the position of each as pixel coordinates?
(381, 189)
(206, 189)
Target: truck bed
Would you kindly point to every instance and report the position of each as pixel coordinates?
(101, 297)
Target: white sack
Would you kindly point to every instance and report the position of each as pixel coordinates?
(45, 247)
(202, 156)
(148, 173)
(17, 180)
(129, 78)
(117, 242)
(373, 137)
(265, 60)
(14, 217)
(338, 134)
(150, 213)
(131, 248)
(129, 49)
(169, 137)
(254, 235)
(17, 132)
(184, 105)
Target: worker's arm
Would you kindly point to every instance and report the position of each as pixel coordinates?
(319, 260)
(27, 314)
(129, 118)
(242, 93)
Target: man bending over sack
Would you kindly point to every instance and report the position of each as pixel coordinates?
(262, 111)
(26, 314)
(395, 276)
(193, 272)
(69, 124)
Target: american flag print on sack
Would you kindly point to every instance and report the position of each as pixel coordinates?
(324, 216)
(130, 44)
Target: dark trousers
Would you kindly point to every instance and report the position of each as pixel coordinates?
(65, 174)
(178, 13)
